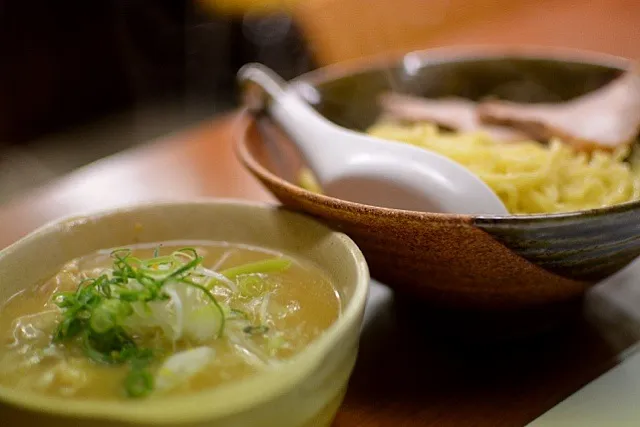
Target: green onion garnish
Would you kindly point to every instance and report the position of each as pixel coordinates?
(95, 315)
(275, 265)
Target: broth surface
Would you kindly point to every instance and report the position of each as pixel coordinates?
(267, 318)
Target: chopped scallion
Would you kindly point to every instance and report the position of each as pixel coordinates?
(274, 265)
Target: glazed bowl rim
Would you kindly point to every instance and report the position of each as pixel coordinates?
(238, 397)
(457, 54)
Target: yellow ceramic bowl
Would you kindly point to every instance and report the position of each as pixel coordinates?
(304, 392)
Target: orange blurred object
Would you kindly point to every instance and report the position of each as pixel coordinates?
(339, 30)
(239, 7)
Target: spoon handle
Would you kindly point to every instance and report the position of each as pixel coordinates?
(260, 85)
(263, 90)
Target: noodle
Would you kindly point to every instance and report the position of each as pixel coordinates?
(528, 176)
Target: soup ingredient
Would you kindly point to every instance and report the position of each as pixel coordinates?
(605, 119)
(266, 266)
(143, 322)
(308, 180)
(182, 366)
(452, 113)
(105, 313)
(530, 177)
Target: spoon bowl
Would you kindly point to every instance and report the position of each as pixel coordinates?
(504, 274)
(360, 168)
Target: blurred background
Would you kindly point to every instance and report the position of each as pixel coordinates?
(82, 80)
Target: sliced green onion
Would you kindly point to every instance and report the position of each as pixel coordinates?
(139, 383)
(64, 299)
(186, 267)
(213, 300)
(98, 310)
(275, 265)
(252, 285)
(256, 330)
(108, 314)
(241, 314)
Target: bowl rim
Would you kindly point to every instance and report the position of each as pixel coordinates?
(426, 57)
(218, 402)
(457, 54)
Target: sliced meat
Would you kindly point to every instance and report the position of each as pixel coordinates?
(604, 119)
(453, 113)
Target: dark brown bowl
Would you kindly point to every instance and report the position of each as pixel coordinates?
(485, 263)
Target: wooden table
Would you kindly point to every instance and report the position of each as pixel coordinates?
(402, 25)
(406, 374)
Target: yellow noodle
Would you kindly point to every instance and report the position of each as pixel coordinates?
(528, 176)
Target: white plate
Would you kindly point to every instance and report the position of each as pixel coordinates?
(613, 399)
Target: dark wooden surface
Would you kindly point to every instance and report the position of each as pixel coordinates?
(409, 373)
(67, 63)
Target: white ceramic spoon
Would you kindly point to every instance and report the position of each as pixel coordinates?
(354, 166)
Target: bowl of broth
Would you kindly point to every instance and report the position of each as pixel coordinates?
(211, 313)
(574, 206)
